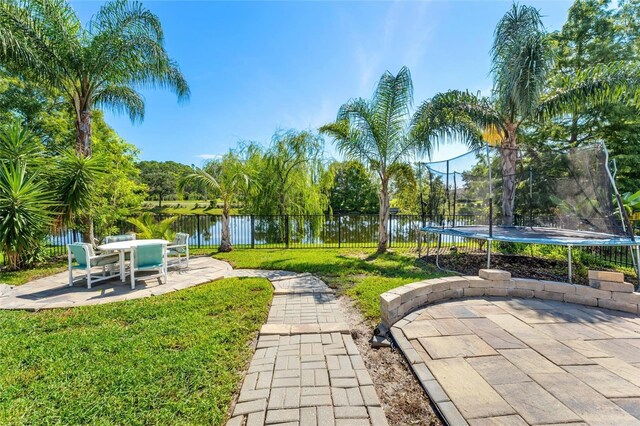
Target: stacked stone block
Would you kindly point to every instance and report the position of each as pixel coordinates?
(606, 289)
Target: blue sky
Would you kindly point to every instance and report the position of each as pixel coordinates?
(256, 67)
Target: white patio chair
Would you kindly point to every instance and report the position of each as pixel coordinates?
(146, 258)
(86, 259)
(180, 248)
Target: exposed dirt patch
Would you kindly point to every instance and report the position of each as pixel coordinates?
(520, 266)
(403, 399)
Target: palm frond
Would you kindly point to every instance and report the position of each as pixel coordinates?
(121, 99)
(18, 144)
(76, 181)
(26, 207)
(454, 116)
(617, 82)
(522, 59)
(147, 226)
(40, 38)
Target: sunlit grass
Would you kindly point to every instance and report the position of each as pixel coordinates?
(171, 359)
(360, 273)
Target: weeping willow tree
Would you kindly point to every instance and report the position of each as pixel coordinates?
(285, 177)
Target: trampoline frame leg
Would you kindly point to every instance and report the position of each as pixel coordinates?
(638, 266)
(438, 251)
(489, 254)
(570, 264)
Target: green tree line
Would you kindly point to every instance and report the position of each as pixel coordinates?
(572, 87)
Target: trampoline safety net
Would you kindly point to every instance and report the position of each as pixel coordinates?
(552, 193)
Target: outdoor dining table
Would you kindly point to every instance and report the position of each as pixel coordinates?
(127, 246)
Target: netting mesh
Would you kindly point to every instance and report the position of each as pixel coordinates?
(547, 187)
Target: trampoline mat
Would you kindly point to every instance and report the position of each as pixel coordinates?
(535, 235)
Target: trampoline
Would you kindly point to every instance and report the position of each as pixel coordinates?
(555, 196)
(534, 235)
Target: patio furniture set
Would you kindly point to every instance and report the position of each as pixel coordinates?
(118, 250)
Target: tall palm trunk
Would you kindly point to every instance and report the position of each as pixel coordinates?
(83, 133)
(509, 156)
(225, 240)
(383, 240)
(83, 147)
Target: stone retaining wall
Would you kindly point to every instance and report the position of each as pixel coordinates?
(606, 290)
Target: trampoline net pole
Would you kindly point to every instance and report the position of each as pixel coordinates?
(570, 264)
(446, 194)
(490, 195)
(530, 198)
(422, 211)
(455, 193)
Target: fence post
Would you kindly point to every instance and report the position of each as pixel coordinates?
(286, 231)
(390, 219)
(253, 232)
(198, 230)
(339, 230)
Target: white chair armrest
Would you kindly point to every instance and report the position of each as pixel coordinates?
(102, 255)
(177, 245)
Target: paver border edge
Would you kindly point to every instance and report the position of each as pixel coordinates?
(602, 292)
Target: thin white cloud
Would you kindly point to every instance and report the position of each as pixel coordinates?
(209, 156)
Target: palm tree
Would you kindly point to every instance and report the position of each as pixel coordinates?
(379, 132)
(76, 177)
(522, 63)
(97, 66)
(521, 59)
(148, 227)
(224, 178)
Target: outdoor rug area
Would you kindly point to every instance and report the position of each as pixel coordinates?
(525, 362)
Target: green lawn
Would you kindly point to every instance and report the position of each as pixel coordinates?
(359, 273)
(26, 275)
(173, 359)
(183, 207)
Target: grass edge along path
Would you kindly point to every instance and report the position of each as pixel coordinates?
(359, 273)
(171, 359)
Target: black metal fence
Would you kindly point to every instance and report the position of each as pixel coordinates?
(291, 231)
(316, 231)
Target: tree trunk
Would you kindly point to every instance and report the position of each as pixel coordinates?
(509, 159)
(83, 147)
(87, 229)
(225, 240)
(383, 240)
(83, 133)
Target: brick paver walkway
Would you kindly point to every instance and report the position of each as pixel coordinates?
(306, 370)
(525, 361)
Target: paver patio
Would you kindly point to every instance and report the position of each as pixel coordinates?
(490, 361)
(54, 291)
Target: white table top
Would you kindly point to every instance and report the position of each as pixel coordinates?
(128, 245)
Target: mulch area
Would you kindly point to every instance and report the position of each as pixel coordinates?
(520, 266)
(402, 397)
